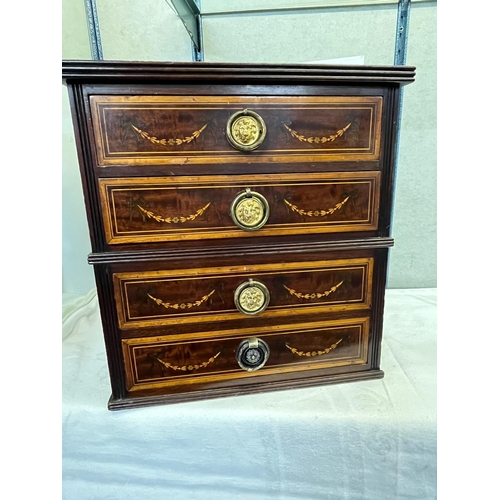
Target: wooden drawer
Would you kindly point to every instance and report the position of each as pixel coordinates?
(159, 130)
(228, 203)
(304, 349)
(193, 208)
(197, 295)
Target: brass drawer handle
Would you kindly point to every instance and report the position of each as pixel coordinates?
(252, 297)
(245, 130)
(252, 354)
(313, 353)
(249, 210)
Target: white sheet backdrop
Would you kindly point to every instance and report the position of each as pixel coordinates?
(373, 440)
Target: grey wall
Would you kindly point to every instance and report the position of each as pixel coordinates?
(149, 30)
(414, 257)
(76, 273)
(302, 36)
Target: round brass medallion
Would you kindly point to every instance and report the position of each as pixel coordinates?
(245, 130)
(249, 210)
(251, 297)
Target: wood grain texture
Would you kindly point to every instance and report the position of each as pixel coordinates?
(144, 130)
(159, 177)
(158, 362)
(136, 399)
(172, 297)
(237, 249)
(111, 331)
(198, 208)
(74, 71)
(371, 91)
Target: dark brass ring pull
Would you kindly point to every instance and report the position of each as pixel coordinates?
(249, 210)
(252, 297)
(245, 130)
(252, 354)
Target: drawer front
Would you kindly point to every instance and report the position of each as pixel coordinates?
(207, 207)
(159, 130)
(161, 362)
(154, 298)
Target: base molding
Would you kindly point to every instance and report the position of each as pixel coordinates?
(142, 401)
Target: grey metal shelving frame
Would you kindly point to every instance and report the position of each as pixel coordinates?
(189, 11)
(191, 15)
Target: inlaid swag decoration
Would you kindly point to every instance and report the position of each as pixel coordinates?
(294, 350)
(314, 295)
(150, 214)
(175, 219)
(346, 200)
(182, 305)
(313, 353)
(171, 141)
(187, 130)
(317, 140)
(316, 213)
(185, 218)
(189, 367)
(199, 302)
(175, 141)
(209, 207)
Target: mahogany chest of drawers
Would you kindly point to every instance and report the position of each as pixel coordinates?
(239, 217)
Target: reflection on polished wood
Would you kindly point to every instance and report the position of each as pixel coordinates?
(265, 131)
(138, 293)
(145, 370)
(270, 204)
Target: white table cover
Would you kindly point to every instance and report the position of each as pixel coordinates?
(373, 440)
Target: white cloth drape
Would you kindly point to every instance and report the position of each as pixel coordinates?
(373, 440)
